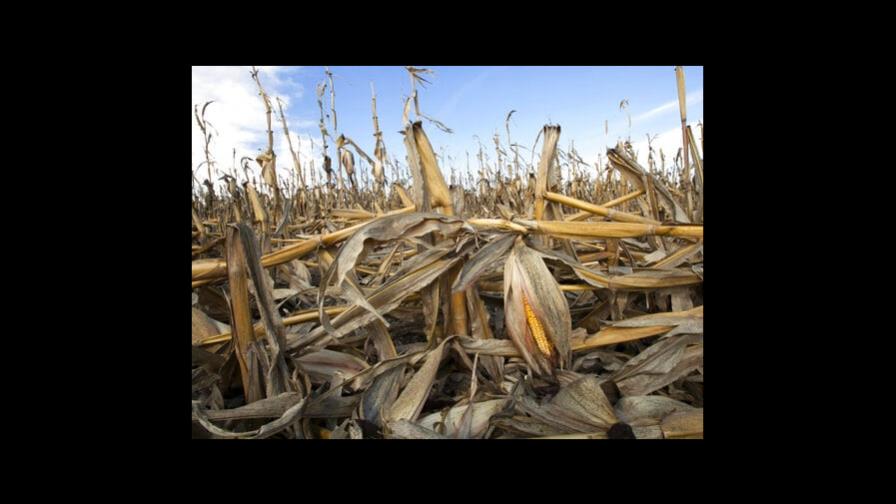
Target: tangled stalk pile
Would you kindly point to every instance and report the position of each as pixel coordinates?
(534, 308)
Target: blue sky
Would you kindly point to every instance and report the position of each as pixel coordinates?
(469, 100)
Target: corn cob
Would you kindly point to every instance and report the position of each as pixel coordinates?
(536, 329)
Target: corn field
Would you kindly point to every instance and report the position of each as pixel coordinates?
(541, 296)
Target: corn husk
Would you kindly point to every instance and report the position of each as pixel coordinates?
(528, 281)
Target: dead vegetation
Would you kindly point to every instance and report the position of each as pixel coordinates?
(518, 305)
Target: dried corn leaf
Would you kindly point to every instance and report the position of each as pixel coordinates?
(381, 339)
(694, 315)
(527, 427)
(279, 294)
(267, 430)
(481, 329)
(649, 408)
(498, 347)
(476, 265)
(653, 368)
(585, 400)
(410, 402)
(389, 228)
(482, 413)
(384, 300)
(331, 404)
(203, 326)
(382, 229)
(404, 429)
(323, 364)
(553, 416)
(211, 361)
(380, 396)
(270, 407)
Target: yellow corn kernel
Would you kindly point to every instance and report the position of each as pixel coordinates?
(537, 330)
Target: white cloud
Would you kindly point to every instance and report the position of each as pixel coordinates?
(238, 117)
(669, 141)
(692, 98)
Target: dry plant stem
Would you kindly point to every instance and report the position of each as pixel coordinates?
(516, 157)
(497, 225)
(341, 188)
(440, 196)
(420, 189)
(332, 98)
(323, 136)
(597, 209)
(269, 165)
(458, 303)
(458, 306)
(618, 201)
(651, 198)
(209, 270)
(422, 199)
(656, 242)
(199, 226)
(295, 158)
(257, 208)
(613, 335)
(406, 200)
(698, 166)
(267, 111)
(608, 229)
(207, 139)
(622, 199)
(379, 152)
(277, 375)
(548, 153)
(241, 313)
(310, 315)
(701, 136)
(680, 255)
(682, 103)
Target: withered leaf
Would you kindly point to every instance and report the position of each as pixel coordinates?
(410, 402)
